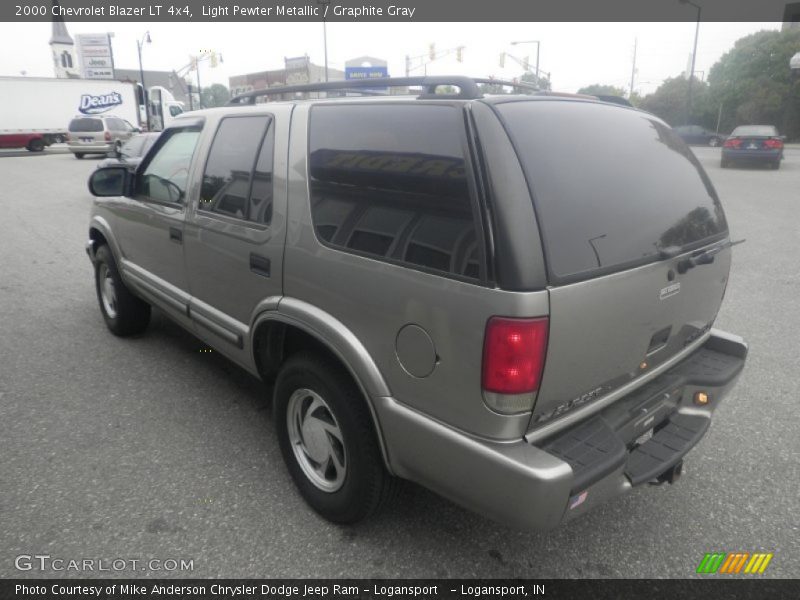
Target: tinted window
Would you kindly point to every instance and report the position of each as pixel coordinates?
(755, 130)
(85, 125)
(611, 185)
(389, 181)
(228, 174)
(164, 178)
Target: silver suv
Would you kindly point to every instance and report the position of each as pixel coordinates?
(103, 134)
(508, 299)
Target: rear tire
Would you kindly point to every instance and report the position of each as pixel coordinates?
(328, 440)
(36, 145)
(79, 155)
(776, 165)
(724, 163)
(124, 313)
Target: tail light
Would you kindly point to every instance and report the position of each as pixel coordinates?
(734, 143)
(107, 136)
(773, 144)
(513, 359)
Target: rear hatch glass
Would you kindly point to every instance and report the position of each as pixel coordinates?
(612, 187)
(85, 125)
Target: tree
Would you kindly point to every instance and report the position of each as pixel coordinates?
(215, 95)
(597, 89)
(543, 83)
(752, 83)
(670, 100)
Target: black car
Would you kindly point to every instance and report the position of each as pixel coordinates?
(132, 151)
(694, 134)
(753, 143)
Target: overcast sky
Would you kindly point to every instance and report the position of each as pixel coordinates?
(576, 54)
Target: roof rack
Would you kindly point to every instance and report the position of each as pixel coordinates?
(468, 87)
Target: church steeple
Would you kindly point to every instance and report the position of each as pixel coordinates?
(62, 47)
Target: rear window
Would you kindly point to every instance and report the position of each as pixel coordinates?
(611, 186)
(86, 125)
(756, 130)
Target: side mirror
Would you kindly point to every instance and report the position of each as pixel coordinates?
(137, 130)
(110, 181)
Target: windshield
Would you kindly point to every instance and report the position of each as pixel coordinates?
(755, 130)
(612, 186)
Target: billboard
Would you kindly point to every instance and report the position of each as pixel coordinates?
(95, 55)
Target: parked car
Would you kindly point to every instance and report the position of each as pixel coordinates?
(422, 313)
(132, 151)
(753, 143)
(694, 134)
(98, 134)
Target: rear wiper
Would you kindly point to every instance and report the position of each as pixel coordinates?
(706, 257)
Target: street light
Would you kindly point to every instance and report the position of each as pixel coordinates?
(325, 4)
(538, 44)
(139, 44)
(694, 56)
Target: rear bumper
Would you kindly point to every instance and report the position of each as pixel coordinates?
(538, 486)
(100, 148)
(752, 155)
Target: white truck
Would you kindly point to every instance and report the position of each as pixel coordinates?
(35, 111)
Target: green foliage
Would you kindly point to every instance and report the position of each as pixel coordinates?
(753, 82)
(215, 95)
(750, 84)
(670, 102)
(597, 89)
(542, 82)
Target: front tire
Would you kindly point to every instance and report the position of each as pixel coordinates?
(36, 145)
(79, 155)
(328, 441)
(124, 313)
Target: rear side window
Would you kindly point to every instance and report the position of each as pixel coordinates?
(229, 185)
(612, 186)
(85, 125)
(389, 182)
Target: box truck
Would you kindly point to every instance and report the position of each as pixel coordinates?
(35, 111)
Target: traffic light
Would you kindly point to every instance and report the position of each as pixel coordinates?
(460, 54)
(432, 51)
(502, 59)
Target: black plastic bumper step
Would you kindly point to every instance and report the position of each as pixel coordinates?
(708, 367)
(667, 446)
(593, 451)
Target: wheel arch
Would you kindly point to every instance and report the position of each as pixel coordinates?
(294, 325)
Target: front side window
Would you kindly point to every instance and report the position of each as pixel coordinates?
(230, 186)
(165, 176)
(389, 182)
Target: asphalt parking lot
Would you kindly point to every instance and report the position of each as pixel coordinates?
(150, 448)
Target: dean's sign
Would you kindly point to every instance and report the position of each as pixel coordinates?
(92, 105)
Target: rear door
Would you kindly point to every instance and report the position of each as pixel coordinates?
(235, 234)
(621, 203)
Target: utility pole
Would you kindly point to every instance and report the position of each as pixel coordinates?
(694, 56)
(633, 69)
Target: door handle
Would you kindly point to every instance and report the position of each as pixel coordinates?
(260, 265)
(175, 235)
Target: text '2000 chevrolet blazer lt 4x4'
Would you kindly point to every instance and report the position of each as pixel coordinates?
(508, 299)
